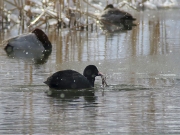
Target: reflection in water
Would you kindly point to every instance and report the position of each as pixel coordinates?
(110, 27)
(142, 68)
(37, 58)
(70, 95)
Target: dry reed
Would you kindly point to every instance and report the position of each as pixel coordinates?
(73, 14)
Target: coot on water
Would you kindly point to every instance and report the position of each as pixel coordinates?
(70, 79)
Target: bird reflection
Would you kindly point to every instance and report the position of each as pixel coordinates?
(110, 27)
(37, 58)
(88, 94)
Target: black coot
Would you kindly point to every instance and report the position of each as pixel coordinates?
(70, 79)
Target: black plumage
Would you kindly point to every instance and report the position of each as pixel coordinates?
(70, 79)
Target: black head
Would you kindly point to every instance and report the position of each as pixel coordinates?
(90, 72)
(109, 6)
(43, 38)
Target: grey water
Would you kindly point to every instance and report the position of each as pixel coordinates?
(142, 69)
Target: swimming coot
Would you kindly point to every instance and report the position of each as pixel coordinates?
(70, 79)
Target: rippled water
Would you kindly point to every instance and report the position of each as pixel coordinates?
(142, 68)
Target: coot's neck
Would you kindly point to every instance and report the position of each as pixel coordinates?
(91, 80)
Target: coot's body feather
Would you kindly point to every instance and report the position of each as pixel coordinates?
(68, 79)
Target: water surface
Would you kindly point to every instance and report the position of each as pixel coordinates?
(142, 68)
